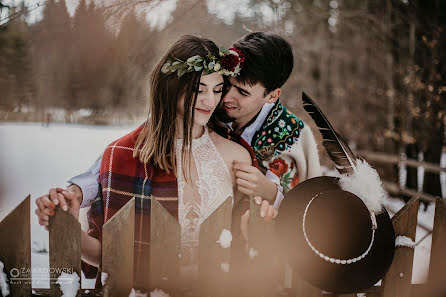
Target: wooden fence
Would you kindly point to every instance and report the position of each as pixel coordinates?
(393, 188)
(65, 253)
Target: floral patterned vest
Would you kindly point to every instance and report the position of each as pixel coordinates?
(279, 132)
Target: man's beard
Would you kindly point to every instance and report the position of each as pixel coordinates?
(221, 114)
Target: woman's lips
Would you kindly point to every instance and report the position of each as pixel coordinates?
(203, 111)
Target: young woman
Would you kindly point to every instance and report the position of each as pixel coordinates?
(175, 157)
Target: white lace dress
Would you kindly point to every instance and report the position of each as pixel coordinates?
(209, 185)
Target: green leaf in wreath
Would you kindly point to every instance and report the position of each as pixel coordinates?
(223, 50)
(181, 72)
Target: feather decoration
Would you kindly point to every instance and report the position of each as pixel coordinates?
(335, 146)
(357, 176)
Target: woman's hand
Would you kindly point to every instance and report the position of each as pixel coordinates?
(45, 208)
(244, 222)
(267, 211)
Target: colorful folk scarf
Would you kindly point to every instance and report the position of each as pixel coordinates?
(122, 177)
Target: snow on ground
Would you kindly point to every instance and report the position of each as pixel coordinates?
(34, 158)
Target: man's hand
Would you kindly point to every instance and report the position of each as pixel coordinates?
(69, 200)
(45, 208)
(267, 211)
(252, 182)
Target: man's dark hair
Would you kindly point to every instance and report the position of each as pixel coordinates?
(269, 60)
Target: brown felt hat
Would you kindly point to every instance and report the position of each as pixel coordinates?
(330, 238)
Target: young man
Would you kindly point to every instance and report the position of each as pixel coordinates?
(283, 144)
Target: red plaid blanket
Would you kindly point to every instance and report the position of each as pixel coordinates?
(122, 177)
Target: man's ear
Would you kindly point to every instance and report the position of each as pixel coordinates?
(273, 96)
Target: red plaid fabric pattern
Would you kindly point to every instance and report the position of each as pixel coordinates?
(122, 177)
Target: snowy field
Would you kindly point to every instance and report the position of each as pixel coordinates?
(35, 158)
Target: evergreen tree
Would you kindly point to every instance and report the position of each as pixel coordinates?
(16, 82)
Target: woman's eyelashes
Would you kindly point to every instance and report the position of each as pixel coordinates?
(217, 91)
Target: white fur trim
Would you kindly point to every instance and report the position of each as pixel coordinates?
(365, 184)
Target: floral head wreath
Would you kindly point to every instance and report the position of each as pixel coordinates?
(229, 62)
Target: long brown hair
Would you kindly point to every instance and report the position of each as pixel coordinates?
(156, 141)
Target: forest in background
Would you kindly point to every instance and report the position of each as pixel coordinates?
(375, 67)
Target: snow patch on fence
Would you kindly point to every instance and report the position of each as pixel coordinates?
(69, 284)
(137, 293)
(253, 253)
(225, 238)
(104, 276)
(3, 281)
(404, 241)
(224, 266)
(158, 293)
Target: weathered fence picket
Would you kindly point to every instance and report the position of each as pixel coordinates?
(64, 249)
(65, 253)
(394, 188)
(118, 251)
(438, 248)
(15, 249)
(303, 288)
(263, 259)
(397, 282)
(213, 263)
(165, 238)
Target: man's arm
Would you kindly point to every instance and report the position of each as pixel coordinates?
(90, 246)
(87, 183)
(279, 195)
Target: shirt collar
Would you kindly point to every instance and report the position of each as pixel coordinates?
(250, 130)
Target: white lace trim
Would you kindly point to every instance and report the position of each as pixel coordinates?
(209, 186)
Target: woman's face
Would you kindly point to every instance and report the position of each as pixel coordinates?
(209, 95)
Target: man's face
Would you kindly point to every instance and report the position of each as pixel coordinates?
(242, 102)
